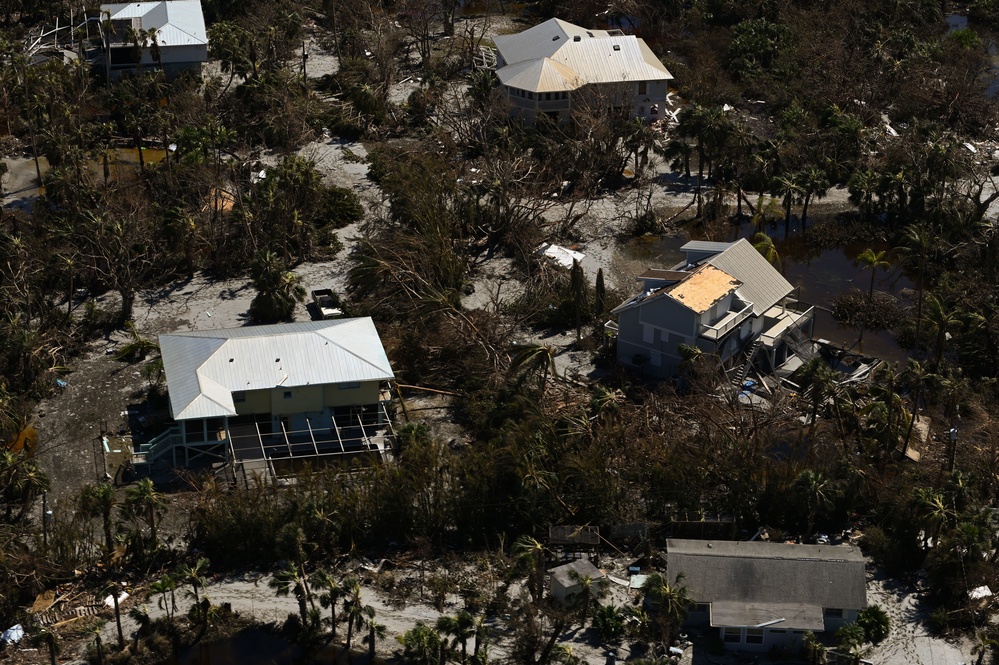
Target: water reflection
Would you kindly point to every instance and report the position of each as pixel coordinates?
(821, 274)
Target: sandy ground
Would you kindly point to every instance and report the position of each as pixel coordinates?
(909, 642)
(251, 597)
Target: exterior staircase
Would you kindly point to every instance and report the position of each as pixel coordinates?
(740, 376)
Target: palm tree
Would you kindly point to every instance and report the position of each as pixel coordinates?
(816, 493)
(143, 499)
(333, 592)
(352, 607)
(111, 588)
(193, 575)
(278, 289)
(918, 239)
(140, 615)
(764, 244)
(934, 513)
(99, 501)
(873, 261)
(461, 627)
(288, 580)
(421, 645)
(787, 188)
(813, 182)
(535, 359)
(588, 588)
(669, 602)
(533, 553)
(376, 631)
(163, 586)
(818, 378)
(940, 321)
(600, 293)
(917, 376)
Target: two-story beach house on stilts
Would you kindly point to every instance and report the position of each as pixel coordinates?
(724, 299)
(271, 399)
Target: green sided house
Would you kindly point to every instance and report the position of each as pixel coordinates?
(268, 399)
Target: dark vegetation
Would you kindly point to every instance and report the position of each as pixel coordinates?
(822, 80)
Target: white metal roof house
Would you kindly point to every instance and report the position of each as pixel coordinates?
(554, 65)
(179, 28)
(761, 595)
(724, 298)
(252, 395)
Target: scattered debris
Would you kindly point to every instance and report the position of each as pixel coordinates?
(13, 635)
(561, 256)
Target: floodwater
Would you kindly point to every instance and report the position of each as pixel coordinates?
(821, 275)
(21, 183)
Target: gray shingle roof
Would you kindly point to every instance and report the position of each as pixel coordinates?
(762, 284)
(826, 576)
(581, 567)
(203, 368)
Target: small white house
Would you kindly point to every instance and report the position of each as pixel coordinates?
(177, 26)
(567, 580)
(555, 66)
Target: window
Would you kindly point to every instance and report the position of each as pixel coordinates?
(832, 613)
(530, 95)
(548, 96)
(701, 608)
(287, 394)
(754, 636)
(642, 87)
(353, 385)
(238, 397)
(778, 631)
(732, 635)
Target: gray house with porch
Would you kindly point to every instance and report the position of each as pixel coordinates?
(723, 298)
(761, 595)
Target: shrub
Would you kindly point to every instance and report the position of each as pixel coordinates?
(875, 623)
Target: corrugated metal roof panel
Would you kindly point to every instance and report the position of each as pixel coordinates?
(177, 22)
(705, 246)
(543, 75)
(204, 367)
(762, 284)
(596, 57)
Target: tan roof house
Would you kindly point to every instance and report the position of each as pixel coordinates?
(554, 65)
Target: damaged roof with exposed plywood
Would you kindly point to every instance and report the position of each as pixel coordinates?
(704, 287)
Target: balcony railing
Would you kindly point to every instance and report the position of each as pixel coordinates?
(730, 321)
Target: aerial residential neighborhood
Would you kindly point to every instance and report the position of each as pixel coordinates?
(483, 332)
